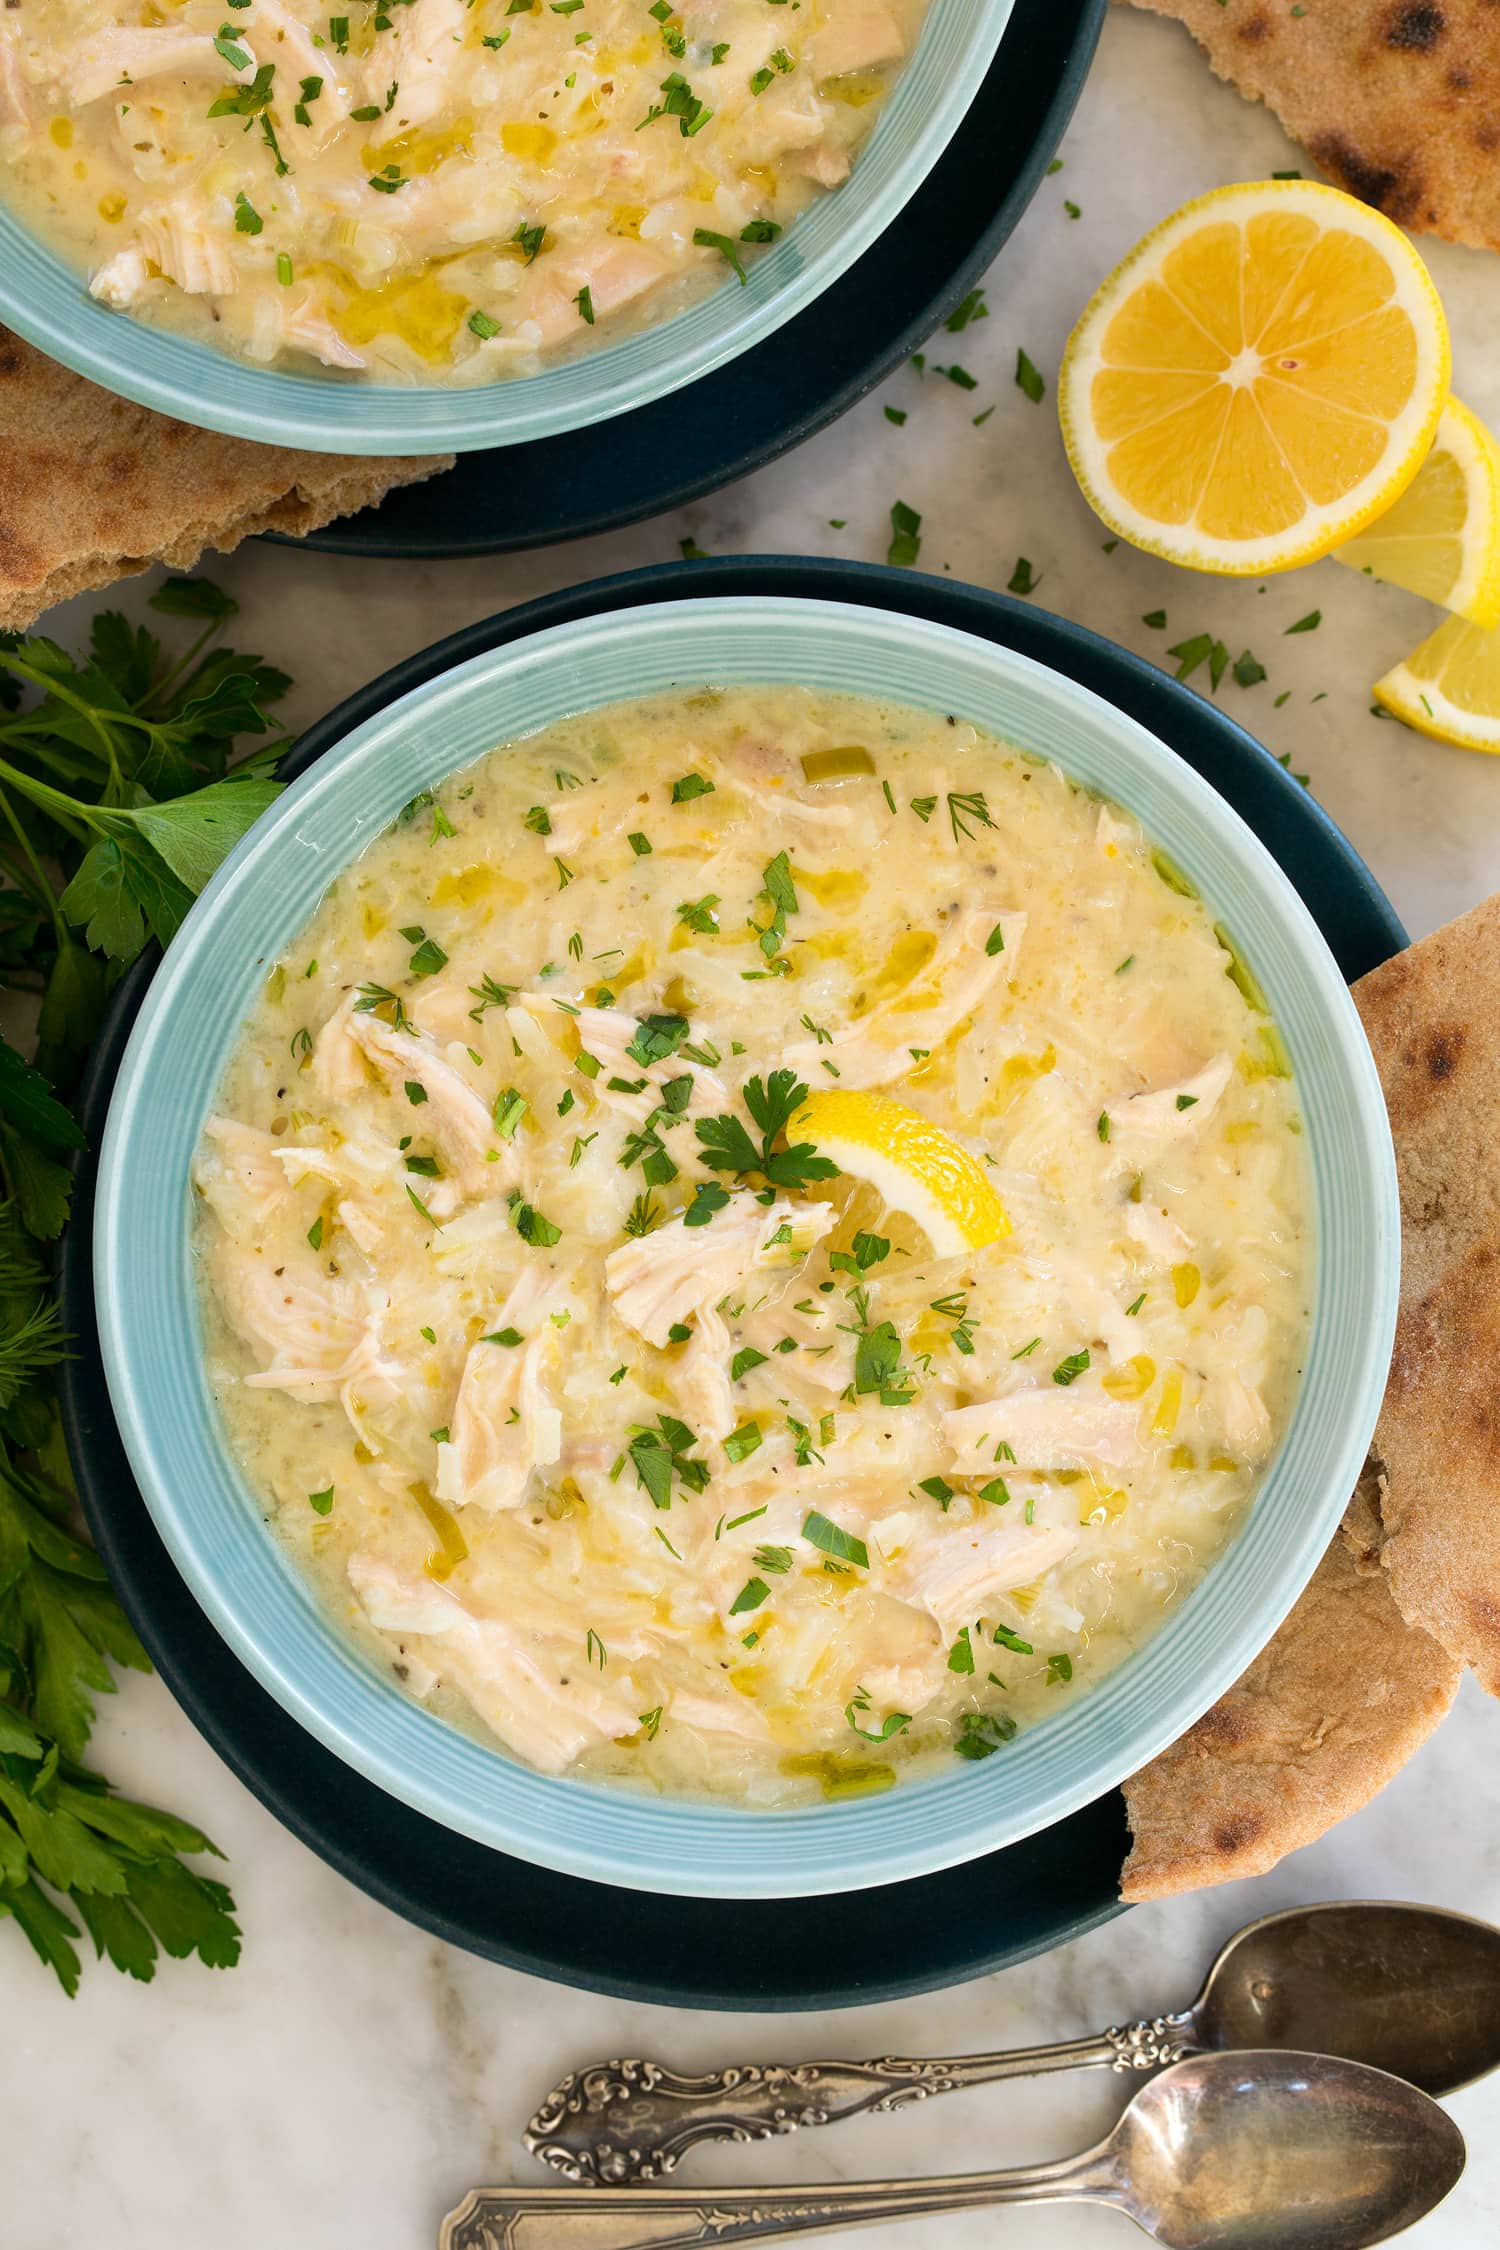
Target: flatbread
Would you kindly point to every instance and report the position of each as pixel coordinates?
(93, 488)
(1396, 100)
(1327, 1714)
(1433, 1019)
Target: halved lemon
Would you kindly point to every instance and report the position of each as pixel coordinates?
(912, 1163)
(1449, 687)
(1258, 380)
(1442, 538)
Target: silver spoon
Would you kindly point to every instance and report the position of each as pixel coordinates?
(1409, 1989)
(1264, 2150)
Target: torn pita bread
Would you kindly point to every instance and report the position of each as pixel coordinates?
(1327, 1714)
(1396, 100)
(93, 488)
(1433, 1019)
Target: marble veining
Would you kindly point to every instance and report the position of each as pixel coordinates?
(352, 2078)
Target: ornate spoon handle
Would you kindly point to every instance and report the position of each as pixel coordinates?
(645, 2218)
(619, 2123)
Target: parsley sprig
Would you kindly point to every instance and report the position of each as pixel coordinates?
(725, 1144)
(117, 803)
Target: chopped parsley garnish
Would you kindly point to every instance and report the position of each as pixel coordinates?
(706, 239)
(690, 785)
(531, 240)
(532, 1227)
(1102, 1125)
(961, 1655)
(1187, 1101)
(982, 1733)
(315, 1233)
(906, 536)
(429, 956)
(780, 893)
(938, 1489)
(1059, 1668)
(777, 1560)
(1022, 580)
(1005, 1638)
(869, 1249)
(489, 994)
(843, 1546)
(744, 1359)
(510, 1337)
(759, 230)
(639, 844)
(1307, 624)
(682, 103)
(972, 307)
(375, 1000)
(996, 1492)
(1135, 1308)
(657, 1037)
(855, 1710)
(510, 1108)
(1068, 1370)
(538, 820)
(699, 915)
(726, 1146)
(321, 1503)
(585, 299)
(750, 1596)
(744, 1441)
(1028, 380)
(247, 220)
(1248, 669)
(657, 1455)
(651, 1722)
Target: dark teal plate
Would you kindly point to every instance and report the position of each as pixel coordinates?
(685, 1952)
(796, 381)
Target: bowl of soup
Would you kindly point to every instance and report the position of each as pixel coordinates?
(747, 1248)
(445, 225)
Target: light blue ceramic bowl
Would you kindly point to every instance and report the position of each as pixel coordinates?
(149, 1315)
(43, 298)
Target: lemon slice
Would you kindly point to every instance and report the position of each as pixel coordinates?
(1449, 687)
(1442, 537)
(1258, 380)
(912, 1163)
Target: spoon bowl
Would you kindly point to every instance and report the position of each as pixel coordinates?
(1264, 2150)
(1272, 2150)
(1409, 1989)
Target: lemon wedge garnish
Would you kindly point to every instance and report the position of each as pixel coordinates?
(1449, 687)
(1442, 538)
(1259, 379)
(912, 1163)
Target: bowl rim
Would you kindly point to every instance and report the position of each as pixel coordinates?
(44, 299)
(555, 1823)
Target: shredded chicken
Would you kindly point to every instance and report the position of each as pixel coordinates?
(953, 1572)
(876, 1049)
(1170, 1113)
(1054, 1428)
(537, 1696)
(658, 1282)
(506, 1422)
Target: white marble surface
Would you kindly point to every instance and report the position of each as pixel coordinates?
(352, 2077)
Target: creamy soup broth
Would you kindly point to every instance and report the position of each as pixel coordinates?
(623, 1493)
(429, 190)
